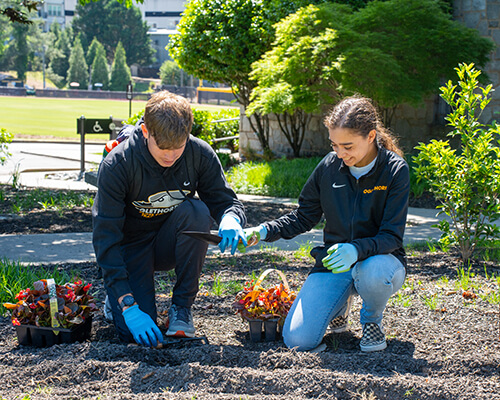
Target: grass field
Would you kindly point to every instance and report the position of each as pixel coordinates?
(50, 117)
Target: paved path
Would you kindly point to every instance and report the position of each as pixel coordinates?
(61, 165)
(77, 247)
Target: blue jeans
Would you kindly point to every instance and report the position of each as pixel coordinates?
(325, 296)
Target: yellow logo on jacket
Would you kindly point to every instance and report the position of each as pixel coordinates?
(160, 203)
(375, 188)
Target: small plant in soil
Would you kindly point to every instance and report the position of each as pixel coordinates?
(74, 304)
(466, 180)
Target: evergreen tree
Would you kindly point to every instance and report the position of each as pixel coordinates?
(92, 51)
(120, 72)
(78, 69)
(21, 57)
(55, 28)
(100, 70)
(59, 59)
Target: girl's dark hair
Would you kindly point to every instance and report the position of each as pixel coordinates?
(359, 114)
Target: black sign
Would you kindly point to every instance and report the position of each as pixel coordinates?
(94, 125)
(129, 91)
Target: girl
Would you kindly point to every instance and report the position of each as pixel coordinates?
(362, 188)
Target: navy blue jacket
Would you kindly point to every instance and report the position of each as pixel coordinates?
(369, 212)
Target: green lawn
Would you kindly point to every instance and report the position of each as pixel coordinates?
(38, 116)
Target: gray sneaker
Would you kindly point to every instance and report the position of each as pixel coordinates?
(180, 322)
(373, 338)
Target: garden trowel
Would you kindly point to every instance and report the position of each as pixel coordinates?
(213, 238)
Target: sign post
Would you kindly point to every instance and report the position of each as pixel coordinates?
(130, 95)
(91, 126)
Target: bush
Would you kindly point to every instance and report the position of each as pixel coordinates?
(5, 140)
(467, 181)
(206, 128)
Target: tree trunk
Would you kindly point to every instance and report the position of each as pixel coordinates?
(294, 127)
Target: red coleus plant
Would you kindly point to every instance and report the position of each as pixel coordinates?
(74, 304)
(255, 302)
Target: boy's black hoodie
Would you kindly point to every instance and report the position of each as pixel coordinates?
(136, 194)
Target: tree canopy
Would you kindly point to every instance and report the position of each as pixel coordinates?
(19, 11)
(393, 52)
(110, 22)
(219, 40)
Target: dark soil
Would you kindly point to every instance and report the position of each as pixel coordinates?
(79, 219)
(443, 338)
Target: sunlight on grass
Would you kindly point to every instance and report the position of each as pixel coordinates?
(57, 117)
(304, 250)
(282, 177)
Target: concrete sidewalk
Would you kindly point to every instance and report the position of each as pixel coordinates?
(57, 165)
(77, 247)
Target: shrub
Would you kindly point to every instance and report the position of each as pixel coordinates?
(467, 181)
(206, 128)
(5, 140)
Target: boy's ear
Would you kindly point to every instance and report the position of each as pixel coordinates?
(145, 131)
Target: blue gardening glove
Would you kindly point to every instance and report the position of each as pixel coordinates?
(231, 233)
(142, 327)
(340, 258)
(254, 235)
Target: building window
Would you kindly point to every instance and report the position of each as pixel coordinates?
(54, 10)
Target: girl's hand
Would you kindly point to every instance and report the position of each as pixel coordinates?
(341, 257)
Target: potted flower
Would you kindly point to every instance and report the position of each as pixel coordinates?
(44, 316)
(268, 307)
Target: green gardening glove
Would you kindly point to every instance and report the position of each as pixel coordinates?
(341, 257)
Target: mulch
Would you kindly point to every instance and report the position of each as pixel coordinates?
(442, 329)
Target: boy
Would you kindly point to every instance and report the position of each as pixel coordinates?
(145, 199)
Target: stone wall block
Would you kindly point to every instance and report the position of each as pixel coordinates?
(493, 11)
(483, 28)
(472, 19)
(478, 5)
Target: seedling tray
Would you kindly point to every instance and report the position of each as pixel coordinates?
(270, 333)
(30, 335)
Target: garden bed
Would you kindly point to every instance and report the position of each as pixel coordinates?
(443, 331)
(442, 344)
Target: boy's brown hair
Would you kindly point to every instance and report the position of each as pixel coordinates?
(169, 119)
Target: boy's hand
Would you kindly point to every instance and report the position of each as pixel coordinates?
(340, 258)
(231, 233)
(142, 327)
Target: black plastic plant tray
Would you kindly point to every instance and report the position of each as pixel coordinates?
(30, 335)
(270, 333)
